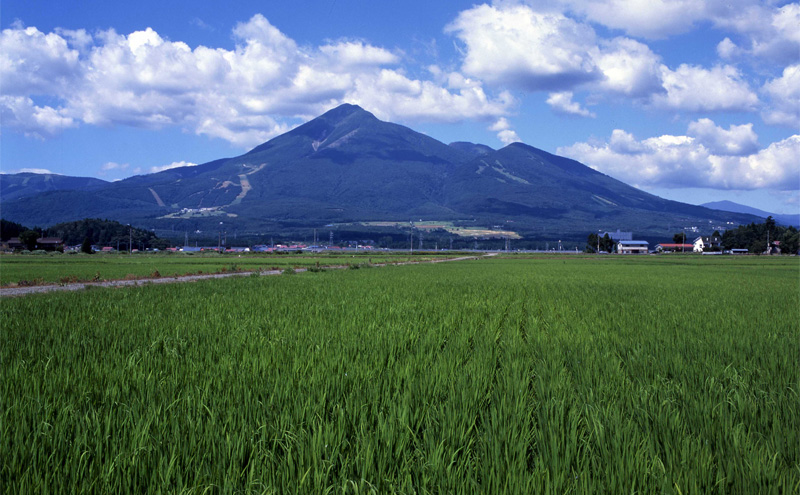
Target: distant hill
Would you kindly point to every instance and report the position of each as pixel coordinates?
(13, 186)
(348, 166)
(793, 220)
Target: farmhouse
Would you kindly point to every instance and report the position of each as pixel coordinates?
(707, 243)
(667, 247)
(633, 247)
(46, 243)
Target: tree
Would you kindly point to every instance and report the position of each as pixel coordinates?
(607, 244)
(28, 239)
(592, 242)
(679, 238)
(10, 229)
(86, 247)
(716, 234)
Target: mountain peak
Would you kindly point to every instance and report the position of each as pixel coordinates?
(345, 111)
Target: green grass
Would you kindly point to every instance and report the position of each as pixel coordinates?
(61, 268)
(546, 375)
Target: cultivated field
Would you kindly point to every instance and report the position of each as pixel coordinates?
(544, 375)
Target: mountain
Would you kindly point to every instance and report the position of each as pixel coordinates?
(472, 149)
(348, 166)
(13, 186)
(793, 220)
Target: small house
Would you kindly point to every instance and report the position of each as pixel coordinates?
(707, 243)
(633, 247)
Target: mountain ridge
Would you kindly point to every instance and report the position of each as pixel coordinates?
(348, 166)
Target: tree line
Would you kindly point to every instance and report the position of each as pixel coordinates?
(86, 232)
(757, 236)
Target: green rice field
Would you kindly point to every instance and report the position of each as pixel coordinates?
(617, 375)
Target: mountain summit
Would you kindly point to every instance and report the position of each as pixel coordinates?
(348, 166)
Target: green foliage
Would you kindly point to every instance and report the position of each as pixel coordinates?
(86, 247)
(105, 233)
(28, 239)
(754, 237)
(505, 376)
(680, 238)
(606, 244)
(10, 229)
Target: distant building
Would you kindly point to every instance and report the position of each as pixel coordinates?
(46, 243)
(668, 247)
(633, 247)
(618, 236)
(739, 251)
(704, 243)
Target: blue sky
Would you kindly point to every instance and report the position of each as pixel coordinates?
(694, 100)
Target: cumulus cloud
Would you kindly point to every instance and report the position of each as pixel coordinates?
(708, 157)
(245, 95)
(784, 94)
(541, 49)
(629, 68)
(693, 88)
(642, 18)
(764, 31)
(505, 133)
(738, 140)
(20, 113)
(523, 48)
(562, 103)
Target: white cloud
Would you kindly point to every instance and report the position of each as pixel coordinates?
(35, 63)
(765, 31)
(629, 68)
(701, 161)
(28, 171)
(784, 94)
(20, 113)
(562, 103)
(727, 49)
(642, 18)
(523, 48)
(358, 54)
(692, 88)
(245, 95)
(505, 133)
(114, 166)
(738, 140)
(171, 166)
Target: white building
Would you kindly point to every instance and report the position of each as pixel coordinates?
(633, 247)
(706, 242)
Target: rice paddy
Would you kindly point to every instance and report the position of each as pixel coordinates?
(542, 375)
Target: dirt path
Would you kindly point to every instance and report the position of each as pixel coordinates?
(39, 289)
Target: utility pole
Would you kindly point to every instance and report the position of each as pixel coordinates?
(130, 239)
(411, 243)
